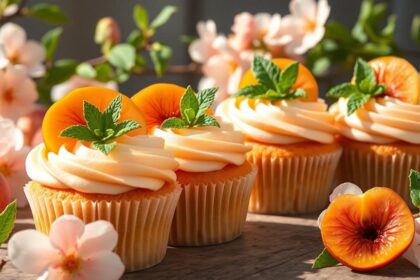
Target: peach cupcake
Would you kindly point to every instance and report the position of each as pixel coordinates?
(97, 163)
(291, 133)
(213, 172)
(378, 116)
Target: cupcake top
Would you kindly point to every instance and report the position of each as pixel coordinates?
(102, 152)
(381, 105)
(200, 142)
(279, 104)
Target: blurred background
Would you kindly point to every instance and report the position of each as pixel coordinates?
(77, 39)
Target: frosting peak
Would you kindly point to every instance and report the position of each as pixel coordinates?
(136, 162)
(281, 122)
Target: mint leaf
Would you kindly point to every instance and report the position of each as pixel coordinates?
(379, 90)
(252, 91)
(105, 148)
(365, 77)
(297, 93)
(79, 132)
(266, 72)
(415, 187)
(207, 120)
(114, 108)
(189, 105)
(356, 101)
(343, 90)
(205, 100)
(92, 116)
(325, 259)
(174, 123)
(7, 221)
(288, 77)
(125, 127)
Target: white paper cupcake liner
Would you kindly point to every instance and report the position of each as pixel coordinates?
(211, 213)
(368, 169)
(292, 185)
(143, 225)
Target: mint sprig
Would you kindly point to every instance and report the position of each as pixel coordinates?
(415, 187)
(365, 87)
(273, 83)
(325, 259)
(101, 127)
(7, 221)
(193, 108)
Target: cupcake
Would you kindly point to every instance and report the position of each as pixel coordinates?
(97, 163)
(291, 133)
(378, 117)
(215, 178)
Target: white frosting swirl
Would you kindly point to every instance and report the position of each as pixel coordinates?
(205, 149)
(381, 121)
(281, 122)
(136, 162)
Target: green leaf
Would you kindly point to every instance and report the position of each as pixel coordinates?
(205, 100)
(61, 71)
(125, 127)
(288, 77)
(415, 187)
(365, 76)
(356, 101)
(79, 132)
(86, 70)
(380, 89)
(189, 105)
(105, 148)
(160, 55)
(174, 123)
(7, 221)
(92, 116)
(135, 38)
(207, 120)
(252, 91)
(266, 72)
(415, 29)
(297, 93)
(114, 109)
(163, 17)
(343, 90)
(49, 13)
(104, 73)
(122, 56)
(325, 259)
(141, 17)
(50, 42)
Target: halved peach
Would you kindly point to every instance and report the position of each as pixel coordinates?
(369, 231)
(305, 79)
(68, 111)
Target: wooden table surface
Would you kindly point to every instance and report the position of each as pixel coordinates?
(271, 247)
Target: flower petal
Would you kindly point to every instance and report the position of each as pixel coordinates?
(321, 217)
(17, 181)
(32, 55)
(309, 40)
(99, 235)
(12, 38)
(31, 251)
(103, 265)
(303, 8)
(65, 232)
(323, 11)
(199, 51)
(345, 188)
(413, 252)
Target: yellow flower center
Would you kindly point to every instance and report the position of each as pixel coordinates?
(71, 264)
(5, 169)
(14, 58)
(232, 66)
(310, 26)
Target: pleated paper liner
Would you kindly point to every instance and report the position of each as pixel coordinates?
(142, 221)
(292, 179)
(212, 212)
(369, 165)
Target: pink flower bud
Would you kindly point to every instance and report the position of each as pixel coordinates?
(4, 193)
(107, 31)
(31, 123)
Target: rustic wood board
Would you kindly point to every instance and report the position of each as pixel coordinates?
(271, 247)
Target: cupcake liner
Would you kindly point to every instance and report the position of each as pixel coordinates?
(143, 225)
(368, 169)
(211, 213)
(292, 185)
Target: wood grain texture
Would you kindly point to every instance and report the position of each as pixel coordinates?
(271, 247)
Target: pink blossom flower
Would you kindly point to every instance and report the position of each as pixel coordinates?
(10, 10)
(58, 91)
(17, 93)
(72, 250)
(413, 252)
(31, 122)
(202, 49)
(305, 24)
(15, 49)
(4, 193)
(13, 153)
